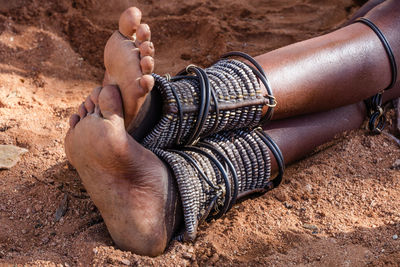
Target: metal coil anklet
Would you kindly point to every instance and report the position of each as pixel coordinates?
(377, 119)
(213, 173)
(199, 102)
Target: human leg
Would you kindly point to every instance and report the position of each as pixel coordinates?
(340, 68)
(343, 67)
(363, 10)
(136, 234)
(308, 76)
(135, 192)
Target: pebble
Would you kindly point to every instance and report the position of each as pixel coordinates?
(308, 187)
(62, 209)
(37, 207)
(126, 262)
(310, 227)
(186, 255)
(288, 206)
(395, 237)
(23, 231)
(281, 196)
(396, 165)
(214, 258)
(10, 155)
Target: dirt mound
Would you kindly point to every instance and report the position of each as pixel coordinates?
(339, 206)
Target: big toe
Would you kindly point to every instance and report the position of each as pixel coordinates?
(129, 21)
(110, 103)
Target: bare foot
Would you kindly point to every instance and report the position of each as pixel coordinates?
(130, 186)
(129, 61)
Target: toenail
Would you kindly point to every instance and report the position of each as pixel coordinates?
(151, 45)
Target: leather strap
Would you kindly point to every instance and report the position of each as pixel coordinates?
(377, 119)
(387, 47)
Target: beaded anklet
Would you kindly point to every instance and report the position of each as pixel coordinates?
(212, 174)
(198, 103)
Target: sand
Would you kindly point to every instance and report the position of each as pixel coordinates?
(339, 206)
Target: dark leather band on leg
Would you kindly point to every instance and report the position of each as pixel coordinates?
(377, 119)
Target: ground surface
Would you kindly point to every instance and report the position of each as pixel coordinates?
(340, 206)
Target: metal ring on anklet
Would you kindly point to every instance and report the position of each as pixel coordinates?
(224, 176)
(377, 119)
(230, 166)
(205, 95)
(262, 76)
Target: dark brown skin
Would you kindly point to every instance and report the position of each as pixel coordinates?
(135, 191)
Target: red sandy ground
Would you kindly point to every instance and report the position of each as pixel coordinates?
(340, 206)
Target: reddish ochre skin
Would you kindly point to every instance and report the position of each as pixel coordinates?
(336, 69)
(297, 137)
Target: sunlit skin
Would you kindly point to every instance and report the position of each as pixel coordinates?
(134, 190)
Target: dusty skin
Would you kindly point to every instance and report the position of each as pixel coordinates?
(337, 207)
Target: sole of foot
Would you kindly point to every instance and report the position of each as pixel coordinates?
(130, 185)
(128, 59)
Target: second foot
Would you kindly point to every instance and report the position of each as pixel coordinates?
(128, 59)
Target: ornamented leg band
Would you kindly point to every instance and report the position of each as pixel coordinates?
(216, 171)
(198, 103)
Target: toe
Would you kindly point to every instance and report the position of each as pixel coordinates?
(73, 120)
(147, 64)
(143, 34)
(110, 103)
(146, 82)
(89, 105)
(94, 95)
(130, 21)
(82, 111)
(146, 49)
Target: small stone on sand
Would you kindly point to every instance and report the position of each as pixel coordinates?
(310, 227)
(125, 262)
(396, 164)
(9, 155)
